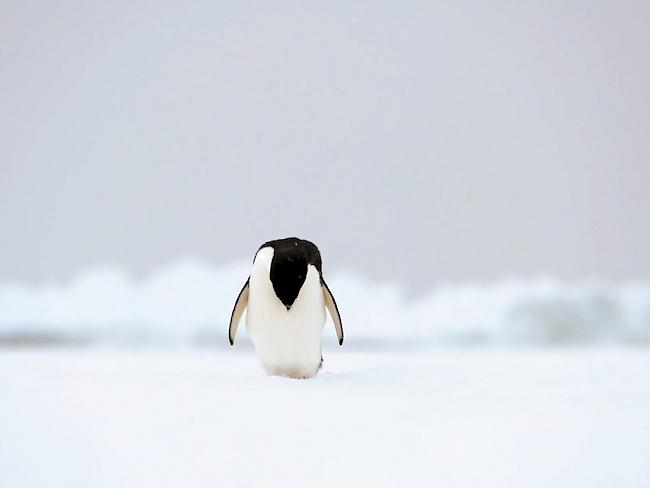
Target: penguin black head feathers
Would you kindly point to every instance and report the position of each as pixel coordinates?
(291, 256)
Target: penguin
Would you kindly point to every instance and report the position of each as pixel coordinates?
(286, 296)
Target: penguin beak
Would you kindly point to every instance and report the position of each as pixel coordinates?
(288, 307)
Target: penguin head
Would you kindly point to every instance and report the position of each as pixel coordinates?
(288, 271)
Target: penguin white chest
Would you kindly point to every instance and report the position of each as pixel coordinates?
(287, 339)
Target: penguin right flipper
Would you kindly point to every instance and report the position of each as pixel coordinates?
(330, 303)
(237, 312)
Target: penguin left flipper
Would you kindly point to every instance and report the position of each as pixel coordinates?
(237, 312)
(330, 303)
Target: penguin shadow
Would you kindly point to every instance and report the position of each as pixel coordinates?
(383, 375)
(323, 377)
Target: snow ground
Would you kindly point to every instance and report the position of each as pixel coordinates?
(564, 417)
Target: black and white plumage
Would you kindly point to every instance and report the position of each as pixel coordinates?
(286, 297)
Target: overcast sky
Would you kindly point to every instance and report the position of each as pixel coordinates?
(414, 141)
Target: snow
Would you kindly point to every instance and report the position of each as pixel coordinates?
(518, 382)
(190, 300)
(452, 417)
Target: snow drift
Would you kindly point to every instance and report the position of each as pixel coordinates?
(191, 300)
